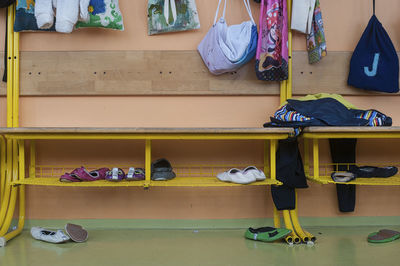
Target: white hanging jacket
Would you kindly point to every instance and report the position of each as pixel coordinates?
(302, 15)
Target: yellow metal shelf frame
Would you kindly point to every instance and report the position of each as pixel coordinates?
(13, 181)
(320, 173)
(205, 177)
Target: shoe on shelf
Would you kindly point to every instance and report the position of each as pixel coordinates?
(236, 176)
(343, 177)
(82, 174)
(47, 235)
(161, 170)
(116, 174)
(373, 171)
(76, 232)
(71, 177)
(252, 170)
(135, 174)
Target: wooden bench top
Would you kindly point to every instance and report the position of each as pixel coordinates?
(395, 129)
(141, 130)
(352, 132)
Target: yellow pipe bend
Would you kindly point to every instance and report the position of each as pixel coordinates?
(310, 236)
(13, 198)
(21, 221)
(277, 218)
(2, 167)
(6, 197)
(297, 227)
(288, 225)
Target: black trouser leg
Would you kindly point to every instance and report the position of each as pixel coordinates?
(344, 151)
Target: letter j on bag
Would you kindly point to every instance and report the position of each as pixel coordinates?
(372, 73)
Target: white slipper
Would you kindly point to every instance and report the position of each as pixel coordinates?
(236, 176)
(51, 236)
(253, 171)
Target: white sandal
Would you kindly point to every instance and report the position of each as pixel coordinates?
(51, 236)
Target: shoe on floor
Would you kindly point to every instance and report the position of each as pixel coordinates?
(236, 176)
(47, 235)
(76, 232)
(383, 236)
(266, 234)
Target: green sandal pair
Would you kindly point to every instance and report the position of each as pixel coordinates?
(383, 236)
(266, 234)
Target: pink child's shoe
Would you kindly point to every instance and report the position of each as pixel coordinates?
(82, 174)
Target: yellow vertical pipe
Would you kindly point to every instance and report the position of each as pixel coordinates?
(292, 237)
(296, 224)
(148, 162)
(18, 154)
(316, 158)
(10, 67)
(266, 157)
(21, 159)
(290, 62)
(16, 80)
(2, 167)
(283, 90)
(277, 218)
(272, 157)
(32, 159)
(306, 156)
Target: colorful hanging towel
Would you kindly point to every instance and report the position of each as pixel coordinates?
(272, 48)
(316, 43)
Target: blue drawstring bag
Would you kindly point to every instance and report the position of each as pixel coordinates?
(375, 64)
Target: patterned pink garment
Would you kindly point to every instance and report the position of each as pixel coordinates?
(272, 48)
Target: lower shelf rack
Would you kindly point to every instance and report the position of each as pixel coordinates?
(325, 171)
(186, 176)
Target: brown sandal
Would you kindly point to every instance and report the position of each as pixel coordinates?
(76, 232)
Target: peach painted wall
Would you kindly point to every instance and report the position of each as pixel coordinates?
(344, 23)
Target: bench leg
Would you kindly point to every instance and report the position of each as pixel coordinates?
(19, 161)
(3, 166)
(306, 157)
(292, 237)
(32, 159)
(5, 223)
(148, 163)
(7, 185)
(316, 159)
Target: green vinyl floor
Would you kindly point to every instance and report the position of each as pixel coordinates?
(334, 246)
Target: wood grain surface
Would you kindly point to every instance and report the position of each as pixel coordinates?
(168, 73)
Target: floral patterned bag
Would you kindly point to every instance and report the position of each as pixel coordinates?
(272, 49)
(172, 15)
(103, 14)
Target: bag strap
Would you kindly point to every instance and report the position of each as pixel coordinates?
(223, 13)
(246, 4)
(248, 8)
(374, 6)
(166, 10)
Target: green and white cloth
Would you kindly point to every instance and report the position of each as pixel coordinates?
(172, 15)
(103, 14)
